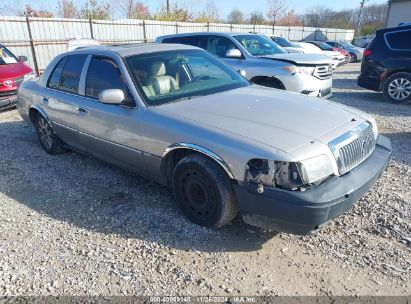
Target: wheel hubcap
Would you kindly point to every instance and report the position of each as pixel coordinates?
(197, 195)
(399, 89)
(45, 133)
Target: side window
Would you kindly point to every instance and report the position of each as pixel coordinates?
(54, 79)
(399, 40)
(220, 45)
(70, 75)
(103, 74)
(189, 40)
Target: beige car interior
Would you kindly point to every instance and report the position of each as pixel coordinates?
(159, 82)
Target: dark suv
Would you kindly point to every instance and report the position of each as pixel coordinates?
(386, 65)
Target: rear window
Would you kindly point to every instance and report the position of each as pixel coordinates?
(399, 40)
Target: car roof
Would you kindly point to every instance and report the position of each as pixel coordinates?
(226, 34)
(393, 29)
(125, 50)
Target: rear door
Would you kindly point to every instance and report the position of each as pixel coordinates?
(110, 132)
(61, 99)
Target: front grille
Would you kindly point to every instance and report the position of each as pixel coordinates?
(353, 147)
(8, 93)
(323, 71)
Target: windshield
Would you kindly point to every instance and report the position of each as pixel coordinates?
(6, 57)
(346, 44)
(282, 41)
(324, 46)
(259, 45)
(172, 76)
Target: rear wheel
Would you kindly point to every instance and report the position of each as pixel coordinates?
(203, 191)
(48, 139)
(397, 88)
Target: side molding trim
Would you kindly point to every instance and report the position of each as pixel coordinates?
(202, 150)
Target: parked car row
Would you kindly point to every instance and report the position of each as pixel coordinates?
(222, 143)
(264, 62)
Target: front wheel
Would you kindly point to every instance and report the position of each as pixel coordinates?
(48, 139)
(397, 88)
(203, 191)
(353, 57)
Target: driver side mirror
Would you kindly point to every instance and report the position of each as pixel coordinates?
(23, 58)
(111, 96)
(233, 53)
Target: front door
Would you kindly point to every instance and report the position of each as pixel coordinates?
(110, 132)
(219, 46)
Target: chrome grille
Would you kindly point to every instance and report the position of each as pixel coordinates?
(353, 147)
(323, 71)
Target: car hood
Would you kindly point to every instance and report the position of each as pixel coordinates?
(280, 119)
(332, 53)
(297, 58)
(293, 49)
(14, 70)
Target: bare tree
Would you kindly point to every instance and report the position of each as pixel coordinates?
(67, 9)
(31, 12)
(290, 19)
(176, 13)
(235, 16)
(276, 9)
(95, 10)
(257, 17)
(134, 9)
(209, 14)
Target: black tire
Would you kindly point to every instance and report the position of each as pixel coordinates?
(271, 83)
(353, 57)
(203, 191)
(397, 88)
(48, 139)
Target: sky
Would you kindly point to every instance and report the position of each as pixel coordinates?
(225, 6)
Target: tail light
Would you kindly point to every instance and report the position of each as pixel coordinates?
(367, 53)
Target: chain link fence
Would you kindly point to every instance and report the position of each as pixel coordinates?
(41, 39)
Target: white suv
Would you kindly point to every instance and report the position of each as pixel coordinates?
(264, 62)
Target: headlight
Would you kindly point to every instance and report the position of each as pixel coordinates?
(299, 69)
(289, 175)
(291, 68)
(29, 76)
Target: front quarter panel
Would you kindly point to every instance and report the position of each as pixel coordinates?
(162, 130)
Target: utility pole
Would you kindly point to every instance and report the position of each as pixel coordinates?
(168, 6)
(358, 27)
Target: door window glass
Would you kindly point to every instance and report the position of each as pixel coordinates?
(220, 45)
(399, 40)
(70, 75)
(103, 74)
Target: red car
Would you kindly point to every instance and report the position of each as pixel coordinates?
(13, 71)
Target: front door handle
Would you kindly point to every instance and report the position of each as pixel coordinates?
(45, 100)
(82, 110)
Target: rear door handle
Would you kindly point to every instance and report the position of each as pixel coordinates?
(82, 110)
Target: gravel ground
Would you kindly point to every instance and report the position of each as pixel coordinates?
(72, 225)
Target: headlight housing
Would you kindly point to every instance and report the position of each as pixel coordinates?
(374, 126)
(299, 69)
(290, 175)
(29, 76)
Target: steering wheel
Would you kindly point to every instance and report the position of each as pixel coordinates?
(201, 77)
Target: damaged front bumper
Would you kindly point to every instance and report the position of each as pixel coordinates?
(302, 212)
